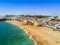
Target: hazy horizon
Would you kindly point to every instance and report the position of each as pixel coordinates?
(37, 7)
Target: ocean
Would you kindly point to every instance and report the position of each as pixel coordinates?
(11, 34)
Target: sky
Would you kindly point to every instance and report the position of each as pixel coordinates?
(39, 7)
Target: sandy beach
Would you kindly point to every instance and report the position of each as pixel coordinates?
(42, 35)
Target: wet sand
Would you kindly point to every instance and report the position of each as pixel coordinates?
(42, 35)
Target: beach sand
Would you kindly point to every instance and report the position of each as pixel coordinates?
(41, 35)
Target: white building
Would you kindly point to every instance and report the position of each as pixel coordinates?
(11, 17)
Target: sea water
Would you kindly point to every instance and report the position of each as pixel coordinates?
(11, 34)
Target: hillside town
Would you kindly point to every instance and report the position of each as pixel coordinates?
(48, 21)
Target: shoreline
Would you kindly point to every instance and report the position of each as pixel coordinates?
(30, 36)
(40, 35)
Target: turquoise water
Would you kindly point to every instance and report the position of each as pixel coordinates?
(13, 35)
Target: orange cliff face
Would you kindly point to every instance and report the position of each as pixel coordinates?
(42, 35)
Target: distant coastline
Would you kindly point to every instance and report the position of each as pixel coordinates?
(42, 29)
